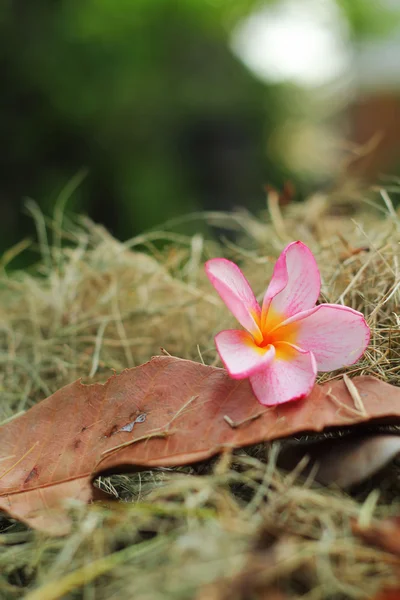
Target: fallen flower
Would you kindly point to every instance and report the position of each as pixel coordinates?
(289, 339)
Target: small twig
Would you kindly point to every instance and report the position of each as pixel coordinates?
(156, 434)
(165, 352)
(389, 204)
(19, 460)
(267, 480)
(353, 411)
(120, 326)
(97, 347)
(367, 510)
(355, 394)
(385, 299)
(235, 424)
(182, 408)
(224, 463)
(200, 354)
(12, 417)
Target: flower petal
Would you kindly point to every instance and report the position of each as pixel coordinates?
(240, 355)
(236, 292)
(287, 378)
(294, 286)
(337, 335)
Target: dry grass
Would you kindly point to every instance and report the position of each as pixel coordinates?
(93, 304)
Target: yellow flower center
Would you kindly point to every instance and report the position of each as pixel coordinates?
(274, 335)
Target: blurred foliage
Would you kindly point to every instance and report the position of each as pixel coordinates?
(370, 19)
(146, 96)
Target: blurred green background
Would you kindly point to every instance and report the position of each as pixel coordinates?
(171, 106)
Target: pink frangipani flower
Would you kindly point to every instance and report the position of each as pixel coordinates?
(289, 338)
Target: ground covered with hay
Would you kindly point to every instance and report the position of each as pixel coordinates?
(232, 528)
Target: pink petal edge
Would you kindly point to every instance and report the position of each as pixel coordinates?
(240, 355)
(295, 283)
(285, 381)
(337, 335)
(235, 291)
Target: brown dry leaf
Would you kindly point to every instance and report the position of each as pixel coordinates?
(166, 412)
(383, 534)
(227, 590)
(388, 594)
(344, 461)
